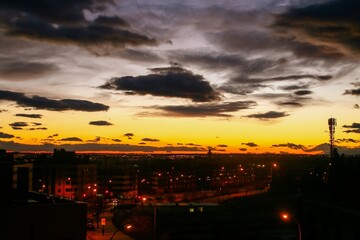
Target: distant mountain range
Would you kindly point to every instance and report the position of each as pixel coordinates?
(325, 147)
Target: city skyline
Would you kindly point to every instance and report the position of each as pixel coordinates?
(168, 77)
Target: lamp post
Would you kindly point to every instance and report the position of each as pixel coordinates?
(274, 165)
(71, 188)
(286, 217)
(155, 221)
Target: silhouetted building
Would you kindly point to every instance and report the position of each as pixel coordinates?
(6, 177)
(28, 215)
(117, 177)
(66, 175)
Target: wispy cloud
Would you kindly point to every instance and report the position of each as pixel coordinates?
(20, 70)
(205, 110)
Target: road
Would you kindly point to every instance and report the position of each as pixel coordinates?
(110, 231)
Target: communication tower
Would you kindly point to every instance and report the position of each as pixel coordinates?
(332, 125)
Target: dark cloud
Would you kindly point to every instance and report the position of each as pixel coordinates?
(206, 110)
(192, 144)
(353, 128)
(64, 22)
(290, 104)
(283, 78)
(38, 128)
(356, 106)
(355, 92)
(27, 126)
(71, 139)
(268, 115)
(52, 136)
(50, 104)
(129, 135)
(331, 25)
(294, 87)
(243, 149)
(240, 88)
(353, 125)
(291, 146)
(303, 92)
(96, 139)
(150, 140)
(286, 99)
(222, 145)
(347, 140)
(53, 11)
(166, 82)
(116, 140)
(113, 21)
(28, 115)
(13, 69)
(243, 84)
(6, 135)
(18, 125)
(250, 144)
(100, 123)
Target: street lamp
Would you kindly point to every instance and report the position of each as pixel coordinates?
(287, 217)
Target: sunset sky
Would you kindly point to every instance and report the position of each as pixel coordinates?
(161, 76)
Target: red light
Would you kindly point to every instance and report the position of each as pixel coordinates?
(84, 195)
(285, 216)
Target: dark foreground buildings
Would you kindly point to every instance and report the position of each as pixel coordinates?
(27, 215)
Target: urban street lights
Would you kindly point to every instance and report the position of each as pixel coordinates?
(287, 217)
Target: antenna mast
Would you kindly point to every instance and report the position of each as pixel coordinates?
(332, 125)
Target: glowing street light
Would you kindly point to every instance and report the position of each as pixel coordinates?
(287, 217)
(128, 227)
